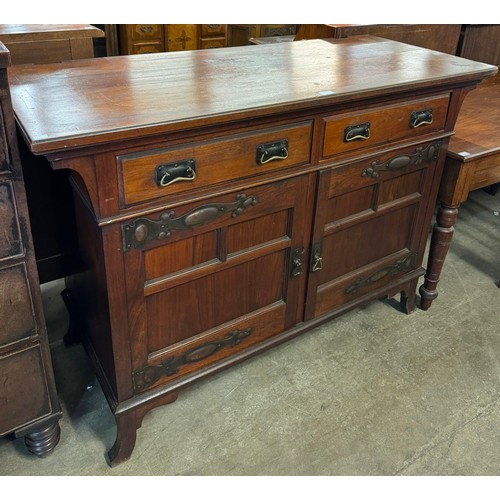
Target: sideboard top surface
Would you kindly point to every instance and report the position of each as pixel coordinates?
(94, 101)
(19, 32)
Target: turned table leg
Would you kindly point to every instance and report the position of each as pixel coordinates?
(440, 243)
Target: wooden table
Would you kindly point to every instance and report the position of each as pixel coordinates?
(229, 200)
(48, 43)
(472, 162)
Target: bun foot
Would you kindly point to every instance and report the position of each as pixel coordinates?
(42, 442)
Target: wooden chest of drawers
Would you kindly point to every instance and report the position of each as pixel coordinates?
(28, 400)
(224, 208)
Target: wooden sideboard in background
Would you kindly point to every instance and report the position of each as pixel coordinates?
(48, 43)
(148, 38)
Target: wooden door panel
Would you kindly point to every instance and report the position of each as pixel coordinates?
(200, 305)
(361, 244)
(368, 220)
(205, 292)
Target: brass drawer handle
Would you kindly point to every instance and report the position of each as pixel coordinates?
(175, 172)
(356, 132)
(272, 151)
(423, 117)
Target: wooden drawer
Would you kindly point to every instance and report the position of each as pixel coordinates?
(147, 31)
(213, 30)
(147, 48)
(213, 162)
(10, 242)
(24, 397)
(355, 130)
(213, 43)
(16, 307)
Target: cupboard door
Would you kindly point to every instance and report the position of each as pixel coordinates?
(215, 278)
(369, 224)
(181, 37)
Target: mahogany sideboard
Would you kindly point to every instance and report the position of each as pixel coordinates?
(223, 208)
(472, 162)
(29, 405)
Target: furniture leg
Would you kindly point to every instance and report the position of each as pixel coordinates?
(440, 243)
(41, 442)
(127, 424)
(408, 297)
(126, 433)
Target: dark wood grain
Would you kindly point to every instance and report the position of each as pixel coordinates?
(94, 101)
(441, 37)
(182, 281)
(29, 405)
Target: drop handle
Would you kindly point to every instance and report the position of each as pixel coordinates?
(423, 117)
(316, 258)
(361, 131)
(272, 151)
(167, 174)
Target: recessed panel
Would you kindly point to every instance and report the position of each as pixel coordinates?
(356, 246)
(256, 232)
(191, 308)
(16, 309)
(10, 241)
(24, 396)
(400, 187)
(350, 204)
(179, 255)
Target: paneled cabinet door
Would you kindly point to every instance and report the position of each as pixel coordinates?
(181, 37)
(215, 277)
(369, 225)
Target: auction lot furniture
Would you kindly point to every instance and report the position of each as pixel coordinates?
(473, 162)
(29, 405)
(230, 200)
(148, 38)
(48, 43)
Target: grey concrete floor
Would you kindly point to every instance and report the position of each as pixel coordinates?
(373, 393)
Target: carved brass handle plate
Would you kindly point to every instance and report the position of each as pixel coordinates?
(402, 265)
(170, 366)
(357, 132)
(272, 151)
(143, 230)
(420, 155)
